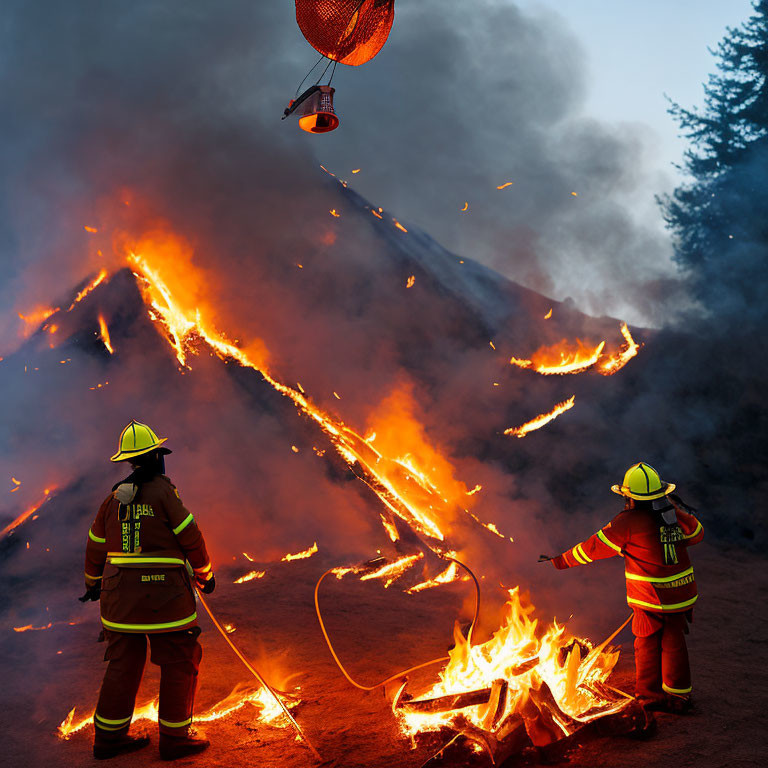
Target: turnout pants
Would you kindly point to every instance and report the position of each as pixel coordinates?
(177, 654)
(661, 655)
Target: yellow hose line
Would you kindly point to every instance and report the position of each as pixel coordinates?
(410, 669)
(257, 675)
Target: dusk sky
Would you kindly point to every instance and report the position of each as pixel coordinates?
(637, 52)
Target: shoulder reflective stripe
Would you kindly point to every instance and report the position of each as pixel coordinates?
(583, 553)
(678, 691)
(607, 541)
(93, 537)
(696, 532)
(146, 560)
(169, 724)
(147, 627)
(93, 578)
(122, 721)
(577, 556)
(659, 579)
(204, 568)
(183, 524)
(659, 606)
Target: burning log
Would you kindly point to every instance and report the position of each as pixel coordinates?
(448, 703)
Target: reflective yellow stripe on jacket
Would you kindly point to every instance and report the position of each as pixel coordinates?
(659, 606)
(148, 627)
(93, 537)
(659, 579)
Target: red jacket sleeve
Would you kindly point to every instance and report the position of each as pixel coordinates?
(96, 548)
(188, 535)
(693, 531)
(607, 542)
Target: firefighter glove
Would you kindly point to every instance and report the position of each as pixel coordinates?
(91, 593)
(207, 586)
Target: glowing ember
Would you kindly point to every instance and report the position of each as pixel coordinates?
(356, 170)
(410, 281)
(542, 419)
(505, 185)
(377, 214)
(549, 314)
(617, 362)
(562, 358)
(31, 628)
(27, 513)
(399, 225)
(301, 555)
(475, 490)
(525, 660)
(90, 229)
(465, 208)
(250, 577)
(104, 333)
(334, 213)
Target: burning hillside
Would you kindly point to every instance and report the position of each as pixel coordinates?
(157, 326)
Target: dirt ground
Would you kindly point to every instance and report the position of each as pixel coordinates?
(353, 729)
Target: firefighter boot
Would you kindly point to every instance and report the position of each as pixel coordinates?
(104, 749)
(174, 747)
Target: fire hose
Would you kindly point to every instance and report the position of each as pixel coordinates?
(255, 672)
(398, 675)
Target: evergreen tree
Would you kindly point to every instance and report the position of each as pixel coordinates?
(719, 215)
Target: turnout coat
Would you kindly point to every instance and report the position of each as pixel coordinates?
(138, 547)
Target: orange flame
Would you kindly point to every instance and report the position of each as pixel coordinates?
(617, 362)
(410, 281)
(525, 659)
(34, 318)
(399, 225)
(301, 555)
(562, 358)
(542, 419)
(27, 513)
(269, 711)
(32, 628)
(98, 280)
(451, 573)
(407, 491)
(391, 572)
(465, 208)
(104, 333)
(250, 577)
(549, 314)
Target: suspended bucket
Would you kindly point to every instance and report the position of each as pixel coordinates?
(315, 109)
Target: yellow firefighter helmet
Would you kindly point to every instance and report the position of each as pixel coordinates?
(642, 482)
(135, 440)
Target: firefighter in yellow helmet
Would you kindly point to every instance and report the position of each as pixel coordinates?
(652, 534)
(135, 563)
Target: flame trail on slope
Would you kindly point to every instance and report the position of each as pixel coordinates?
(542, 419)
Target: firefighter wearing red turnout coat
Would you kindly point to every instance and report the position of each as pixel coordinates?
(652, 534)
(136, 556)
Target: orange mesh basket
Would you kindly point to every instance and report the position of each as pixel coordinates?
(348, 31)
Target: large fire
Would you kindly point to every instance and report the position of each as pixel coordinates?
(416, 485)
(527, 661)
